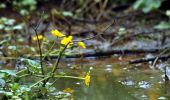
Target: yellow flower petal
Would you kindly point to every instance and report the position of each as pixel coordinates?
(57, 33)
(68, 90)
(40, 37)
(87, 79)
(66, 40)
(81, 45)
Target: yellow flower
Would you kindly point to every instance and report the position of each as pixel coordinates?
(68, 90)
(66, 40)
(81, 45)
(40, 37)
(57, 33)
(87, 79)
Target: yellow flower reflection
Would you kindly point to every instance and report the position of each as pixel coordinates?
(68, 90)
(57, 33)
(40, 37)
(66, 40)
(81, 45)
(87, 79)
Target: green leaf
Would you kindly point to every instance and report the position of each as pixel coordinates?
(8, 29)
(43, 89)
(2, 75)
(51, 89)
(25, 88)
(9, 72)
(67, 14)
(31, 63)
(2, 5)
(2, 26)
(12, 47)
(10, 22)
(168, 13)
(18, 27)
(14, 86)
(162, 25)
(25, 4)
(2, 83)
(34, 66)
(138, 4)
(24, 12)
(147, 5)
(6, 93)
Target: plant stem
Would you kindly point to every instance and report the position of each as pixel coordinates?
(59, 58)
(56, 64)
(21, 71)
(56, 76)
(61, 76)
(40, 51)
(49, 50)
(42, 80)
(24, 75)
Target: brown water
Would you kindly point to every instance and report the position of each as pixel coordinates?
(115, 81)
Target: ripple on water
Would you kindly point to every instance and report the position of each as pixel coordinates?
(108, 68)
(128, 82)
(162, 98)
(144, 84)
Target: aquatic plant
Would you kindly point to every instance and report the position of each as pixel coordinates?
(12, 86)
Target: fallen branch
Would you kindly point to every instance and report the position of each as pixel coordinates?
(109, 53)
(104, 53)
(164, 57)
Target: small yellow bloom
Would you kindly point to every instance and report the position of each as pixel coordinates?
(81, 45)
(57, 33)
(87, 79)
(66, 40)
(68, 90)
(40, 37)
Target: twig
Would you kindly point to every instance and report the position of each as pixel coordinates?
(163, 52)
(102, 8)
(113, 23)
(39, 46)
